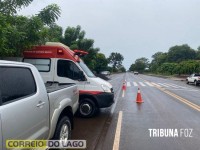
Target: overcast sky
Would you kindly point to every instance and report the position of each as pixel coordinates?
(134, 28)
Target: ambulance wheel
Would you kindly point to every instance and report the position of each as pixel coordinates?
(87, 108)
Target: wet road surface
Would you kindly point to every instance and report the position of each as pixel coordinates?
(169, 118)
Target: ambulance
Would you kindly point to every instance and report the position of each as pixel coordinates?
(58, 64)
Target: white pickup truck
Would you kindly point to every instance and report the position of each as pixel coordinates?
(193, 78)
(29, 110)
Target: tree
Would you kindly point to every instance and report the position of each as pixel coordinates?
(198, 53)
(122, 69)
(140, 64)
(189, 67)
(132, 67)
(180, 53)
(168, 68)
(178, 60)
(115, 59)
(158, 59)
(52, 33)
(49, 14)
(101, 63)
(73, 35)
(91, 58)
(10, 7)
(19, 32)
(184, 67)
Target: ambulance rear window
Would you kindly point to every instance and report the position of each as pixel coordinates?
(43, 65)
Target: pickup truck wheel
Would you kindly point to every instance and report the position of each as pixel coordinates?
(87, 108)
(187, 81)
(63, 129)
(195, 83)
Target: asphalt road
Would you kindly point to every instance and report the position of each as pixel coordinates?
(169, 118)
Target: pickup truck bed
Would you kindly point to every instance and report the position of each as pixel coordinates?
(51, 87)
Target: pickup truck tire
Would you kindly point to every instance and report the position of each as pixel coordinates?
(195, 83)
(87, 108)
(187, 81)
(63, 129)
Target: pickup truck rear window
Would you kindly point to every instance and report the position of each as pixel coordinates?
(15, 83)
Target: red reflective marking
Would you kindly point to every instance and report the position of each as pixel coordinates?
(90, 92)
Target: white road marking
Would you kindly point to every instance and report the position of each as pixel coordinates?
(184, 90)
(118, 132)
(155, 84)
(128, 84)
(162, 84)
(149, 84)
(174, 86)
(141, 84)
(135, 84)
(152, 84)
(179, 86)
(116, 100)
(123, 93)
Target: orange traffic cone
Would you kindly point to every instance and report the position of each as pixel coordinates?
(139, 97)
(124, 86)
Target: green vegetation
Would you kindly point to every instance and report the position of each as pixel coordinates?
(18, 33)
(180, 59)
(140, 65)
(115, 59)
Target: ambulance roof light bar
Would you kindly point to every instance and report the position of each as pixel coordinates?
(80, 53)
